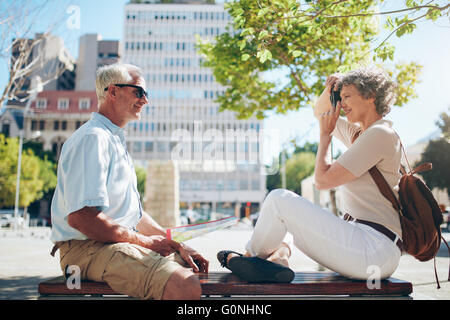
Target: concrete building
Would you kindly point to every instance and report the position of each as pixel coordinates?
(11, 121)
(49, 60)
(93, 52)
(217, 154)
(57, 114)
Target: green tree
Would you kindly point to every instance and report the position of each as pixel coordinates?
(141, 176)
(307, 147)
(37, 175)
(438, 153)
(298, 167)
(308, 42)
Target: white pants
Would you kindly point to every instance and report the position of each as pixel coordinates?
(351, 249)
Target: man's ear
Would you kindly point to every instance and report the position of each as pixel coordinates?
(112, 91)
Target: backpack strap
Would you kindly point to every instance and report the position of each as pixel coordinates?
(385, 189)
(381, 182)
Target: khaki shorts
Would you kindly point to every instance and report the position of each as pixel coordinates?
(127, 268)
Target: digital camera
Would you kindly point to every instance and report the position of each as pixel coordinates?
(335, 96)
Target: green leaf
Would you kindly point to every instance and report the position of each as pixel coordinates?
(296, 53)
(433, 14)
(263, 34)
(242, 44)
(263, 12)
(265, 55)
(245, 57)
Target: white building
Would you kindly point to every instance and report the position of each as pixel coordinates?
(160, 38)
(93, 52)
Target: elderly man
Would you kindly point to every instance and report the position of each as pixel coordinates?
(98, 221)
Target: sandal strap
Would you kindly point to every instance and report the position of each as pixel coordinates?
(224, 260)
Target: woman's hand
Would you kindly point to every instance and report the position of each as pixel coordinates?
(323, 104)
(331, 81)
(327, 120)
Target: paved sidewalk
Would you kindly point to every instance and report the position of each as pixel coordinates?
(25, 261)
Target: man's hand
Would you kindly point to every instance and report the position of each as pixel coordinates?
(164, 247)
(194, 259)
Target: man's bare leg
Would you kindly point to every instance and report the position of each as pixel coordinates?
(183, 284)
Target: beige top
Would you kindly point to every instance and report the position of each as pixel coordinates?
(378, 145)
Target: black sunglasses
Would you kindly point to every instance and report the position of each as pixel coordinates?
(140, 92)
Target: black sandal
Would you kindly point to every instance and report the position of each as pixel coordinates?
(254, 269)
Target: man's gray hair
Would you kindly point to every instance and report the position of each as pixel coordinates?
(372, 82)
(114, 73)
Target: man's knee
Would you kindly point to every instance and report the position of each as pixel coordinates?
(183, 284)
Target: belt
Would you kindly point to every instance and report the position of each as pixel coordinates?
(56, 247)
(380, 228)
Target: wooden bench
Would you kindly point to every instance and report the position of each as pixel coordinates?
(227, 285)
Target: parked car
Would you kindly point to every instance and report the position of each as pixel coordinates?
(446, 223)
(6, 220)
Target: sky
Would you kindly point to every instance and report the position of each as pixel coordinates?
(429, 45)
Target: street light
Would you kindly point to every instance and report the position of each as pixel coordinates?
(36, 85)
(283, 166)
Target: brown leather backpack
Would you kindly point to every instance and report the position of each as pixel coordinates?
(420, 214)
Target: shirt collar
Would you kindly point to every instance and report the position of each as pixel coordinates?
(382, 121)
(107, 123)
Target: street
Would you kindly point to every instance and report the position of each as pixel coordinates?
(25, 261)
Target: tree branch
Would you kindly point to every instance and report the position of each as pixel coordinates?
(367, 14)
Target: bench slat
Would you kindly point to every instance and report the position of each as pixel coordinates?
(225, 283)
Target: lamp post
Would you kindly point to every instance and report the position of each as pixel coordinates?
(36, 84)
(283, 167)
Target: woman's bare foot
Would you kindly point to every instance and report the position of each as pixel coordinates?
(280, 256)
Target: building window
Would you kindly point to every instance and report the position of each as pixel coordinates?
(255, 184)
(137, 146)
(63, 125)
(161, 146)
(6, 129)
(41, 103)
(56, 125)
(63, 104)
(243, 184)
(77, 124)
(42, 125)
(148, 146)
(84, 103)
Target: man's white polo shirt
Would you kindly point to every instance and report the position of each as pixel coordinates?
(95, 170)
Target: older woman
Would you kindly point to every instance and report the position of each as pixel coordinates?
(367, 243)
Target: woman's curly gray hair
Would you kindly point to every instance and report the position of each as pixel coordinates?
(372, 83)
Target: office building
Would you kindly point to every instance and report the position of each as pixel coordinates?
(217, 154)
